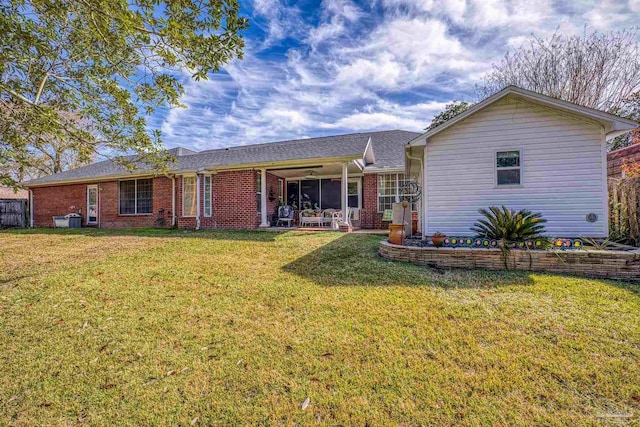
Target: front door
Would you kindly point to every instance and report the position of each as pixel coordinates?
(92, 204)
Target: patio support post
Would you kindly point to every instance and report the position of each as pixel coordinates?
(344, 193)
(31, 210)
(198, 201)
(263, 199)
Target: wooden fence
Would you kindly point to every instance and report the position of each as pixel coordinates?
(624, 206)
(13, 213)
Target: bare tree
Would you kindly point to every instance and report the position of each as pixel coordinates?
(595, 70)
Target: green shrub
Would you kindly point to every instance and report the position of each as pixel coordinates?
(509, 225)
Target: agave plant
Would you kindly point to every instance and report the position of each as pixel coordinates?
(509, 225)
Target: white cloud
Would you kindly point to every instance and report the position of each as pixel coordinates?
(386, 115)
(369, 121)
(337, 14)
(282, 21)
(607, 14)
(393, 58)
(353, 68)
(383, 72)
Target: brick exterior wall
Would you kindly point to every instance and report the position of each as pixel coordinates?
(234, 203)
(370, 218)
(600, 264)
(63, 199)
(272, 184)
(57, 201)
(616, 159)
(108, 206)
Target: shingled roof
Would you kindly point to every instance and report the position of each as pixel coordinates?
(388, 149)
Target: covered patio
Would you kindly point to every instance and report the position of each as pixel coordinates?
(318, 195)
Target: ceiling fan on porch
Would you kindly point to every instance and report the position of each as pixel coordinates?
(311, 175)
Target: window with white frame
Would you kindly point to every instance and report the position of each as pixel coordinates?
(353, 194)
(387, 191)
(403, 191)
(135, 197)
(508, 168)
(390, 188)
(281, 190)
(259, 191)
(207, 195)
(189, 196)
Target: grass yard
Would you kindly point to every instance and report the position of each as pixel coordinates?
(241, 328)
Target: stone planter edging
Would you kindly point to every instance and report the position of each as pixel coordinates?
(617, 265)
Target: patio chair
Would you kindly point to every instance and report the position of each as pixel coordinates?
(336, 220)
(285, 215)
(327, 217)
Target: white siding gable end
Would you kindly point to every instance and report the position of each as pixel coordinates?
(563, 160)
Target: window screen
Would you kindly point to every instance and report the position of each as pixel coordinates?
(508, 169)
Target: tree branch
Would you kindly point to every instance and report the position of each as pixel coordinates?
(44, 80)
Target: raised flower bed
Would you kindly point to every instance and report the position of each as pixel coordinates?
(619, 265)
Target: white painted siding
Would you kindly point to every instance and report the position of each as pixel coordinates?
(563, 169)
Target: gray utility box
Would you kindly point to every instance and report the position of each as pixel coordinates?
(73, 220)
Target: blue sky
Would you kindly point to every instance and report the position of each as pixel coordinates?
(315, 68)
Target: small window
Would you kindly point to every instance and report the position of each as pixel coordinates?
(281, 190)
(189, 196)
(508, 168)
(207, 195)
(136, 197)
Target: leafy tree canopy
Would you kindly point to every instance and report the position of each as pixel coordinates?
(450, 111)
(595, 70)
(85, 75)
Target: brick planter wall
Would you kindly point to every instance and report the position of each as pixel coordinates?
(599, 264)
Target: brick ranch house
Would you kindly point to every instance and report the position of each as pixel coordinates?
(235, 187)
(516, 148)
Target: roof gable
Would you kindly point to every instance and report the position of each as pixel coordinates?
(614, 125)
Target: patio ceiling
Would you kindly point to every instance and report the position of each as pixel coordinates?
(334, 169)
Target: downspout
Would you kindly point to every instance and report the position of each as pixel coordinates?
(173, 201)
(422, 217)
(99, 190)
(31, 222)
(198, 200)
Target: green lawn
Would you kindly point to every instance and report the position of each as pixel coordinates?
(240, 328)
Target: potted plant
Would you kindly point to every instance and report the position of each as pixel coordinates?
(438, 239)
